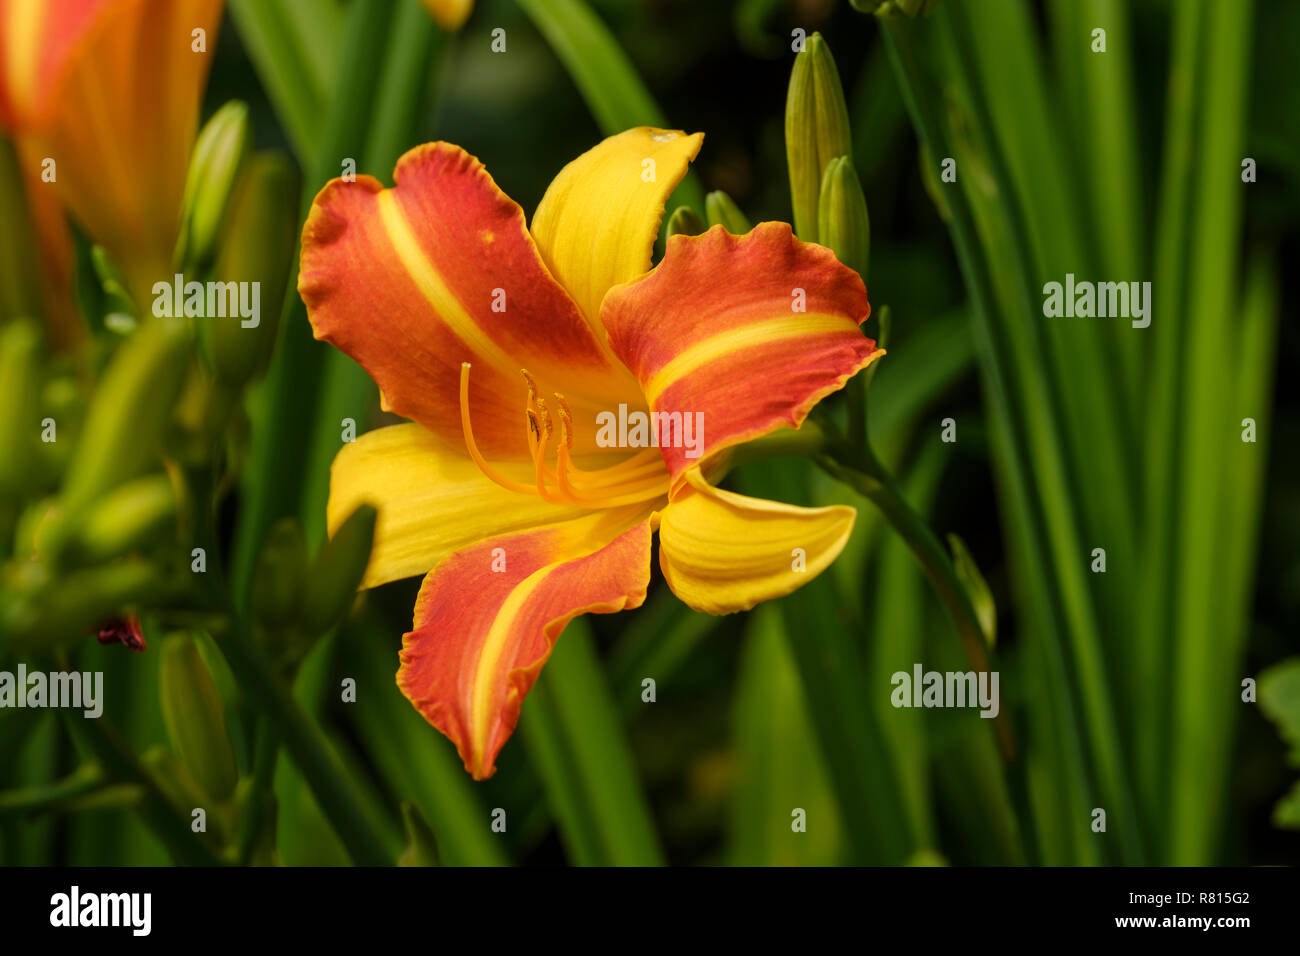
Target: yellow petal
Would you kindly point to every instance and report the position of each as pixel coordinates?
(597, 223)
(722, 552)
(432, 500)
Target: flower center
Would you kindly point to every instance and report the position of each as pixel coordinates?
(641, 477)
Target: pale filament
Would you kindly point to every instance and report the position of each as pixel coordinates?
(639, 478)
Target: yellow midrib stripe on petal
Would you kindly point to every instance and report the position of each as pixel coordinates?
(493, 647)
(22, 50)
(431, 285)
(729, 342)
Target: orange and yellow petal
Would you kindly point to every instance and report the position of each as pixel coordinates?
(415, 280)
(722, 552)
(487, 619)
(36, 37)
(596, 226)
(449, 14)
(745, 334)
(118, 118)
(432, 500)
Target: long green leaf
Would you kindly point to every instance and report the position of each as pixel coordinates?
(608, 81)
(584, 759)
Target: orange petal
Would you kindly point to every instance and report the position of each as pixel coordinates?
(118, 117)
(36, 37)
(744, 334)
(487, 618)
(413, 281)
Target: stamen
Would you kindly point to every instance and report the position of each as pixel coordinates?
(636, 479)
(507, 483)
(566, 422)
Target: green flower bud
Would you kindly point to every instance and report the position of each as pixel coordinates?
(722, 211)
(843, 226)
(20, 425)
(128, 518)
(685, 221)
(281, 572)
(337, 572)
(816, 129)
(422, 850)
(218, 155)
(129, 412)
(195, 719)
(258, 246)
(173, 778)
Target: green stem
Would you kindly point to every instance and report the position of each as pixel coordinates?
(334, 791)
(99, 739)
(87, 778)
(859, 468)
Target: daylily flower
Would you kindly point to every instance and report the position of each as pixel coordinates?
(449, 14)
(500, 485)
(109, 90)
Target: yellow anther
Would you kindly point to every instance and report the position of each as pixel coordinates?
(545, 417)
(566, 421)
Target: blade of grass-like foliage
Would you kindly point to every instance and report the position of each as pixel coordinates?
(284, 409)
(828, 652)
(1009, 369)
(1097, 462)
(1201, 743)
(100, 740)
(657, 641)
(1246, 462)
(418, 763)
(616, 96)
(778, 773)
(30, 745)
(1154, 647)
(896, 644)
(1098, 94)
(1005, 82)
(293, 45)
(584, 760)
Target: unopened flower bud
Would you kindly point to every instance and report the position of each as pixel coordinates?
(816, 129)
(685, 221)
(257, 248)
(218, 156)
(128, 518)
(195, 718)
(337, 572)
(842, 222)
(722, 211)
(129, 412)
(279, 578)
